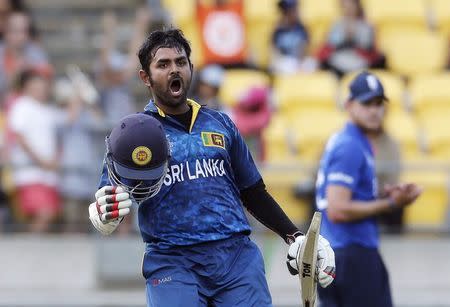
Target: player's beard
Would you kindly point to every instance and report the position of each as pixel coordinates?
(163, 93)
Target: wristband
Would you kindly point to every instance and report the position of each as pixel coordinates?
(291, 238)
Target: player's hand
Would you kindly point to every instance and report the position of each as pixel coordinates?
(404, 194)
(112, 203)
(325, 269)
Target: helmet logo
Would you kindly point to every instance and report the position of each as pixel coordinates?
(141, 155)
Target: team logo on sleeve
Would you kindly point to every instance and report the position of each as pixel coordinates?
(141, 155)
(213, 139)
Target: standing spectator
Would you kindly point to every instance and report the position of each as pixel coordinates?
(18, 51)
(351, 42)
(208, 86)
(79, 162)
(117, 68)
(347, 194)
(5, 9)
(290, 41)
(35, 154)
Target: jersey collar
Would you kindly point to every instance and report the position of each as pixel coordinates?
(153, 108)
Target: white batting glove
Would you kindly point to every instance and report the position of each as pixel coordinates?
(112, 204)
(326, 268)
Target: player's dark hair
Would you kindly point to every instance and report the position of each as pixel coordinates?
(166, 38)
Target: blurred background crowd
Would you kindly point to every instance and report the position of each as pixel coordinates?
(279, 68)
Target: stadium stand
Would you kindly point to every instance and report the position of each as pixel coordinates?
(318, 17)
(261, 17)
(236, 81)
(307, 105)
(440, 16)
(430, 209)
(384, 14)
(304, 92)
(408, 51)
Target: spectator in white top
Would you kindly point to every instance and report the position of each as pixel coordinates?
(34, 155)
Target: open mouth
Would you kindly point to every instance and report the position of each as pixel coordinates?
(175, 87)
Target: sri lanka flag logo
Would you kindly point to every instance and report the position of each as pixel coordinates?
(213, 139)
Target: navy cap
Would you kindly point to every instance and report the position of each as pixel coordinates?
(138, 147)
(366, 86)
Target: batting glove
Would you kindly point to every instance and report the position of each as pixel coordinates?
(326, 268)
(112, 204)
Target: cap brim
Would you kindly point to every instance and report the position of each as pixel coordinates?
(139, 174)
(368, 96)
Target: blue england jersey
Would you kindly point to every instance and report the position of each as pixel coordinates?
(200, 199)
(348, 161)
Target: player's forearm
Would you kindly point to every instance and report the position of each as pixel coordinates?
(357, 210)
(267, 211)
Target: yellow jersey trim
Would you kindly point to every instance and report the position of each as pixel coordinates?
(195, 109)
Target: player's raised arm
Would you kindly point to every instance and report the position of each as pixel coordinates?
(136, 162)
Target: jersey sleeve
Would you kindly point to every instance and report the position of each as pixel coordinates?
(244, 168)
(345, 164)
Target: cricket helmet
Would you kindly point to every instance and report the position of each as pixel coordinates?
(137, 156)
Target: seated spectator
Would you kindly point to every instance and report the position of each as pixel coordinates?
(222, 32)
(290, 42)
(34, 155)
(18, 51)
(208, 85)
(251, 115)
(351, 42)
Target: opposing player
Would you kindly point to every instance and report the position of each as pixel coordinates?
(347, 193)
(191, 217)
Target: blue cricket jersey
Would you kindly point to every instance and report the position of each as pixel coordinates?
(200, 199)
(348, 161)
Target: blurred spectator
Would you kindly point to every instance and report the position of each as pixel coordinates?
(6, 8)
(290, 42)
(209, 81)
(79, 162)
(222, 30)
(34, 156)
(117, 69)
(351, 42)
(18, 51)
(251, 115)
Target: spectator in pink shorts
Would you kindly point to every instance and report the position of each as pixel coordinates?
(34, 153)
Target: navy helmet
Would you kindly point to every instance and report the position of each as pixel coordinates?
(137, 155)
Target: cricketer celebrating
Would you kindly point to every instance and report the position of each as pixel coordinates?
(191, 190)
